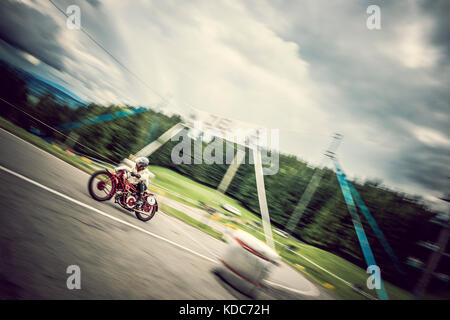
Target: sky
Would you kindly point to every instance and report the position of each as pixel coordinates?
(308, 68)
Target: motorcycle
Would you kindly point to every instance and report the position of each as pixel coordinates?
(105, 184)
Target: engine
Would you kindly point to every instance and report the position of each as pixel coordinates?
(128, 202)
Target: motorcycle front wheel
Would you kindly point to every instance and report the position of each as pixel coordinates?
(102, 185)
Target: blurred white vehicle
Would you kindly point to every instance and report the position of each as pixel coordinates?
(246, 263)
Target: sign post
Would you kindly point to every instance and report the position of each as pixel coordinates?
(262, 197)
(231, 171)
(155, 145)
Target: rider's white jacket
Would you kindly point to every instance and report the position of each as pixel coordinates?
(145, 174)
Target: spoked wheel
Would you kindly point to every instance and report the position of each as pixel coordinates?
(148, 211)
(102, 186)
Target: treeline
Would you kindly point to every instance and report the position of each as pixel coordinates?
(326, 222)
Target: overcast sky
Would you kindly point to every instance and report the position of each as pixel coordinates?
(308, 68)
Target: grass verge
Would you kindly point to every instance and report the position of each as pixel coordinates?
(191, 221)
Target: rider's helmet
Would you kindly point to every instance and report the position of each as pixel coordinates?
(141, 163)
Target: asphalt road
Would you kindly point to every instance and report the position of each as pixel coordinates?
(48, 222)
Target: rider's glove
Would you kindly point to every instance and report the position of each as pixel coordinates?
(136, 175)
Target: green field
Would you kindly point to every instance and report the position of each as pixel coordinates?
(191, 193)
(196, 191)
(187, 219)
(336, 265)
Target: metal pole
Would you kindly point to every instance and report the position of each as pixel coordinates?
(262, 197)
(312, 186)
(155, 145)
(232, 169)
(421, 287)
(362, 238)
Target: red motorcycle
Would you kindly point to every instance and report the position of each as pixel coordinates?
(105, 184)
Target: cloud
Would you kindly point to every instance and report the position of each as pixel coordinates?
(31, 31)
(411, 48)
(431, 137)
(31, 59)
(438, 11)
(426, 165)
(94, 3)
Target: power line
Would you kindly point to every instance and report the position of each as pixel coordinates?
(113, 57)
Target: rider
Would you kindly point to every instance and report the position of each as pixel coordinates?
(139, 176)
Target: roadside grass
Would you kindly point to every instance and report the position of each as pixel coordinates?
(187, 188)
(334, 264)
(182, 185)
(344, 269)
(338, 266)
(191, 221)
(184, 190)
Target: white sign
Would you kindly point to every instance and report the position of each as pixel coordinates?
(211, 125)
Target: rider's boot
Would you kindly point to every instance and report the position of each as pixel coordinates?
(139, 201)
(140, 188)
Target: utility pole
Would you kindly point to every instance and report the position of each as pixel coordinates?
(312, 185)
(435, 257)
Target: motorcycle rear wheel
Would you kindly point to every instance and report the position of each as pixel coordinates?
(146, 216)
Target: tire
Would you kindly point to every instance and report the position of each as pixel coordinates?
(92, 186)
(145, 217)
